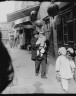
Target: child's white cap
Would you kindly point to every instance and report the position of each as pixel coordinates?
(62, 50)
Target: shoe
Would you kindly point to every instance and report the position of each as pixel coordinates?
(44, 77)
(65, 90)
(36, 74)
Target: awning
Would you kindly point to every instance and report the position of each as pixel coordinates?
(21, 13)
(17, 25)
(47, 18)
(19, 22)
(26, 24)
(62, 4)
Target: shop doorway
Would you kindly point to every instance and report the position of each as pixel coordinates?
(28, 37)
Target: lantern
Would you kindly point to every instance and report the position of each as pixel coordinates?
(33, 15)
(33, 12)
(53, 10)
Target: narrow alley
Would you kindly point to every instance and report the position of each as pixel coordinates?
(26, 82)
(38, 28)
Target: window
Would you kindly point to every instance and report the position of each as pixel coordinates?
(75, 12)
(59, 34)
(65, 30)
(65, 39)
(67, 19)
(74, 34)
(69, 15)
(64, 19)
(70, 31)
(48, 26)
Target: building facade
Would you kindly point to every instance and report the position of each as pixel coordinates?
(6, 28)
(66, 25)
(60, 31)
(64, 31)
(50, 31)
(28, 7)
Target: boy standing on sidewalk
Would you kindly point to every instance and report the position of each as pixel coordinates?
(64, 68)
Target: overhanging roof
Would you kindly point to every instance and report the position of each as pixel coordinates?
(47, 18)
(27, 24)
(21, 13)
(62, 4)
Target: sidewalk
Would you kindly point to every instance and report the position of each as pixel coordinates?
(26, 82)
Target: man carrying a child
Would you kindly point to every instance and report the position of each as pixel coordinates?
(40, 50)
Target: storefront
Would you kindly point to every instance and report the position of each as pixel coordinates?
(66, 25)
(49, 35)
(25, 30)
(25, 24)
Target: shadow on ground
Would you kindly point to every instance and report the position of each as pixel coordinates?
(37, 87)
(50, 61)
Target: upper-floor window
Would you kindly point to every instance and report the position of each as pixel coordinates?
(65, 30)
(75, 11)
(67, 16)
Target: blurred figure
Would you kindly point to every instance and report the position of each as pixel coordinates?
(21, 40)
(16, 37)
(71, 55)
(11, 40)
(6, 68)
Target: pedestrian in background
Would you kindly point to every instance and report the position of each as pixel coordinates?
(71, 56)
(16, 37)
(11, 40)
(64, 68)
(6, 68)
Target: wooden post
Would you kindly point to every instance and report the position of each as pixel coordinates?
(23, 37)
(52, 23)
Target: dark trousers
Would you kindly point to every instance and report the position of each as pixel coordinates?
(43, 66)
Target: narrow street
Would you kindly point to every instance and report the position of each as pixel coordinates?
(55, 22)
(26, 82)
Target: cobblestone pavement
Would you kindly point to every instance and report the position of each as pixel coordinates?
(25, 81)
